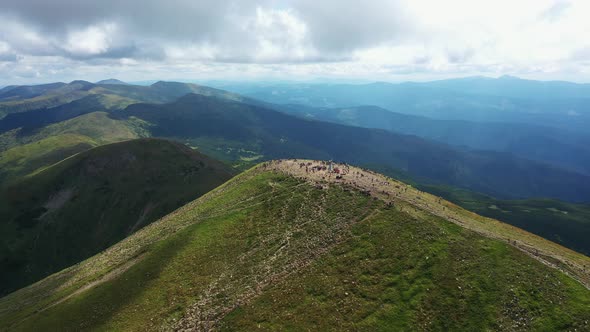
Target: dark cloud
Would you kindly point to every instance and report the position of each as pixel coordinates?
(171, 17)
(142, 24)
(130, 51)
(460, 56)
(8, 57)
(332, 29)
(348, 25)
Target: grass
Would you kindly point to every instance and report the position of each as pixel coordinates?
(561, 222)
(399, 273)
(24, 152)
(24, 160)
(84, 204)
(42, 101)
(96, 126)
(270, 251)
(241, 155)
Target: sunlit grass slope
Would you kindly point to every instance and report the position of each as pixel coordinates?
(23, 152)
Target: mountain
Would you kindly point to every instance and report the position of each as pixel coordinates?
(87, 202)
(561, 222)
(30, 140)
(27, 91)
(112, 81)
(40, 138)
(282, 247)
(39, 118)
(511, 86)
(24, 151)
(433, 100)
(559, 147)
(113, 95)
(233, 131)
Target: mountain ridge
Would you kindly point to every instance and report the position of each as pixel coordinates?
(266, 241)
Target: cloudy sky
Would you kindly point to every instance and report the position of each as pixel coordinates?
(387, 40)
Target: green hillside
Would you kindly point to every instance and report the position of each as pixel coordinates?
(561, 222)
(85, 203)
(97, 126)
(23, 151)
(20, 99)
(282, 248)
(25, 159)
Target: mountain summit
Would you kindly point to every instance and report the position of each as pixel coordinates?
(112, 81)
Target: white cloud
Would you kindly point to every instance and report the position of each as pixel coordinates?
(93, 40)
(384, 40)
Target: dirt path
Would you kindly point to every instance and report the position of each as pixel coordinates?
(228, 292)
(109, 276)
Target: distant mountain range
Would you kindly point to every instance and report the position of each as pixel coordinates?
(547, 144)
(502, 160)
(511, 86)
(217, 124)
(554, 104)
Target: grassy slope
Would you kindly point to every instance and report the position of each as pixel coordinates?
(84, 204)
(43, 101)
(401, 273)
(23, 160)
(23, 153)
(564, 223)
(267, 250)
(115, 96)
(97, 125)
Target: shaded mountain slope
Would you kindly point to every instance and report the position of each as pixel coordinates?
(39, 118)
(224, 129)
(277, 248)
(87, 202)
(27, 91)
